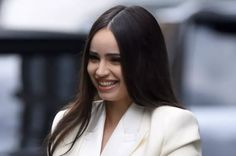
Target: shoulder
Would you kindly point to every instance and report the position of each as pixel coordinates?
(174, 119)
(96, 106)
(170, 113)
(57, 118)
(179, 128)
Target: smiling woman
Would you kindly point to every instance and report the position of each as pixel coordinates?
(105, 70)
(124, 43)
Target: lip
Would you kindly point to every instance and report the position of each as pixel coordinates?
(103, 88)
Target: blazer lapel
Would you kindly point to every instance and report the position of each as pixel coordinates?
(128, 134)
(92, 138)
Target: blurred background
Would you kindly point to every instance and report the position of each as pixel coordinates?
(40, 47)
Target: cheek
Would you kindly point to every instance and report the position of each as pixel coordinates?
(90, 69)
(120, 74)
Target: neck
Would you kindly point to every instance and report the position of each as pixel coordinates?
(114, 111)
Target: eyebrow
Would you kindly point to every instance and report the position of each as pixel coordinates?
(93, 53)
(108, 54)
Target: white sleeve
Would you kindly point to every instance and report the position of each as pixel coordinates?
(56, 119)
(182, 136)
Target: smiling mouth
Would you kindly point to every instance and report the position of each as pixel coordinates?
(106, 85)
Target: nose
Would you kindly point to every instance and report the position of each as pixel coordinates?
(102, 69)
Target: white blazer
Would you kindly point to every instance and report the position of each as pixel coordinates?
(164, 131)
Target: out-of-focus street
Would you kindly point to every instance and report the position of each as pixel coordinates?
(38, 78)
(10, 106)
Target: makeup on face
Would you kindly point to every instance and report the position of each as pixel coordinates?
(114, 58)
(104, 67)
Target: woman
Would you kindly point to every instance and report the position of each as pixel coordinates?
(125, 65)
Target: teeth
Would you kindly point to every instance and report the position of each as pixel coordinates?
(106, 83)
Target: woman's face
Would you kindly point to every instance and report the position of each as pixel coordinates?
(104, 67)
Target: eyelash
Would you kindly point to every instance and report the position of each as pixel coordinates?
(91, 57)
(95, 58)
(116, 60)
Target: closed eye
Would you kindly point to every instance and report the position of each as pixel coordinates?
(115, 60)
(93, 57)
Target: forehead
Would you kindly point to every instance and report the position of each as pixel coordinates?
(104, 42)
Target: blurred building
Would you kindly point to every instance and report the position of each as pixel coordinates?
(200, 36)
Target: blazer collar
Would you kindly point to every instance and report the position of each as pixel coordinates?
(129, 132)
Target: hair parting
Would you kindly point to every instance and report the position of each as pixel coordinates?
(142, 50)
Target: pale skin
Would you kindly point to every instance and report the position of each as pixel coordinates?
(113, 116)
(105, 72)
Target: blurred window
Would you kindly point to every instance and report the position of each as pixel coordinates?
(210, 67)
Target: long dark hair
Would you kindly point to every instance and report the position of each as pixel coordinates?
(144, 64)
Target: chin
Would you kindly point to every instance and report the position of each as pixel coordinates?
(107, 97)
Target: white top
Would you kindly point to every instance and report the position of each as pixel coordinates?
(164, 131)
